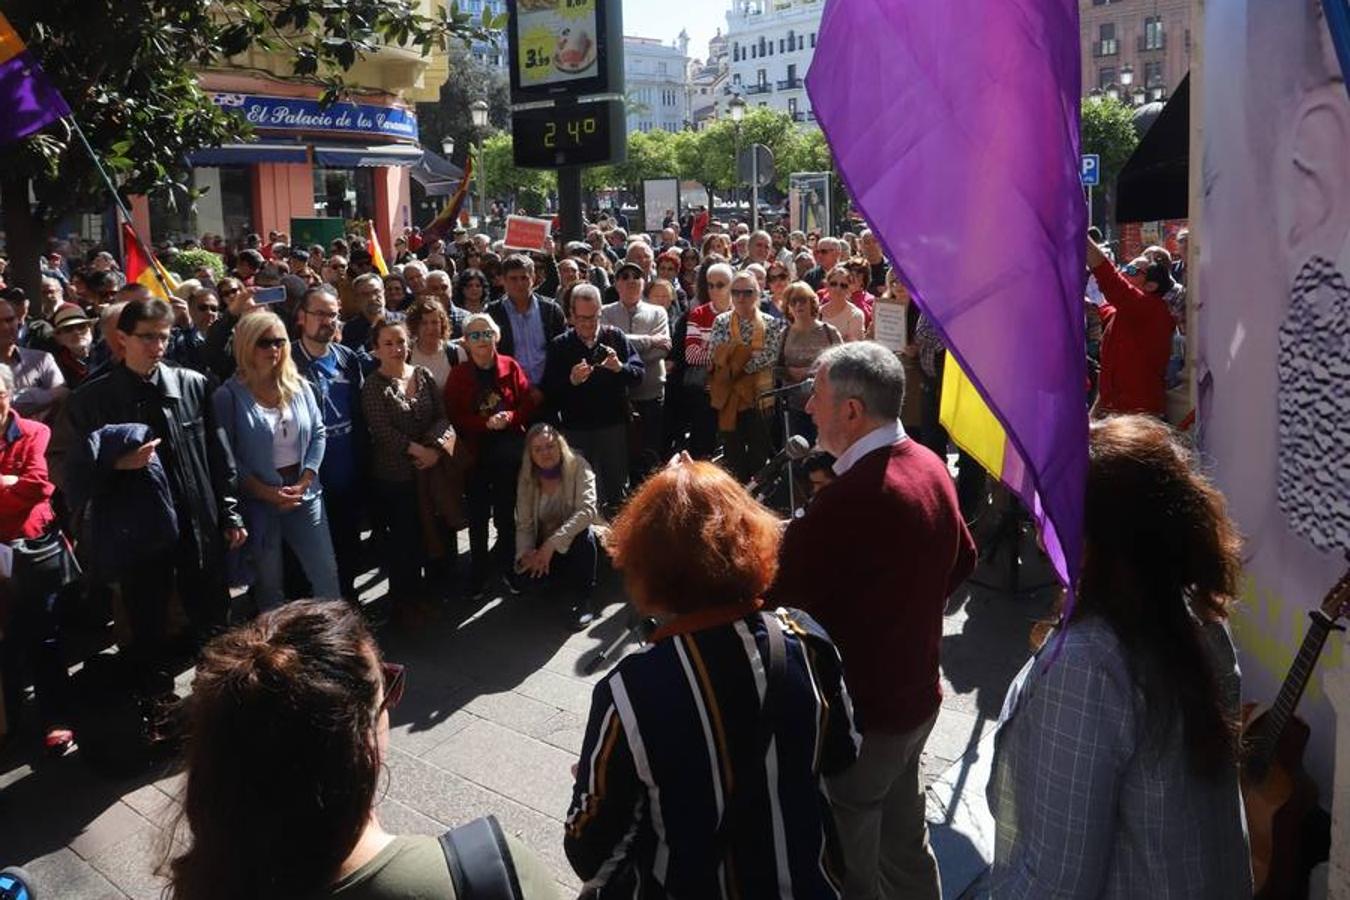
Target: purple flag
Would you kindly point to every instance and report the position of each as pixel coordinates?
(28, 100)
(954, 124)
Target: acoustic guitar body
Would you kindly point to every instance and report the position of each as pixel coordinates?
(1277, 805)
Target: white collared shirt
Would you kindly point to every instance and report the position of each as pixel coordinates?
(887, 435)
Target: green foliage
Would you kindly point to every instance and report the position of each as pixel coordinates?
(1107, 129)
(128, 69)
(505, 178)
(470, 80)
(186, 263)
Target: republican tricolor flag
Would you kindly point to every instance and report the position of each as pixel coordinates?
(145, 270)
(29, 101)
(964, 160)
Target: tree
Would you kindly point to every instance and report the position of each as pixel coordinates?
(470, 80)
(128, 70)
(1107, 129)
(506, 180)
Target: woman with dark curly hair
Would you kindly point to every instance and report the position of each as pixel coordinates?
(471, 290)
(288, 731)
(712, 745)
(1115, 773)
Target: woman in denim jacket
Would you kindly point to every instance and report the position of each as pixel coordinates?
(275, 430)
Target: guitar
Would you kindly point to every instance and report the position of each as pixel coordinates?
(1277, 793)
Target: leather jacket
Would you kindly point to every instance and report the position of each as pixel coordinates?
(198, 461)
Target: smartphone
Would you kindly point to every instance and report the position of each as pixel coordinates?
(599, 354)
(264, 296)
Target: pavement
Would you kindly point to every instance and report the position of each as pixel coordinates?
(491, 722)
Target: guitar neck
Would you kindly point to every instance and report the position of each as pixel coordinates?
(1295, 683)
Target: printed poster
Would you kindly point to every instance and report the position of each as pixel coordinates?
(557, 41)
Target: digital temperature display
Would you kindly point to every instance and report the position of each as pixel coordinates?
(578, 134)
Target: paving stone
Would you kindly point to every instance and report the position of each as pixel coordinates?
(62, 873)
(526, 770)
(110, 827)
(560, 691)
(512, 710)
(153, 804)
(566, 731)
(130, 863)
(399, 818)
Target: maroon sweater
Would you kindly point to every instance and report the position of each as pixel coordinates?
(874, 560)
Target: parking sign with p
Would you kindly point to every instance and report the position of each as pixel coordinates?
(1091, 171)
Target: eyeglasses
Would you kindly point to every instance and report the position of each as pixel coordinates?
(229, 292)
(745, 292)
(207, 307)
(325, 314)
(395, 679)
(580, 318)
(481, 336)
(152, 337)
(778, 276)
(271, 343)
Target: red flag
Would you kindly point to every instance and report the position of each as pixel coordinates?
(444, 222)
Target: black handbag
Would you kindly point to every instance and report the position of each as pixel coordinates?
(480, 861)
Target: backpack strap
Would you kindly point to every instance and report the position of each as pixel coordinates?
(480, 861)
(752, 767)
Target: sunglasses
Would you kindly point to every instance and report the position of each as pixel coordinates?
(480, 335)
(271, 343)
(745, 292)
(395, 679)
(229, 292)
(1132, 269)
(778, 276)
(208, 308)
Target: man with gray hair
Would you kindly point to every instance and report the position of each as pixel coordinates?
(828, 252)
(874, 559)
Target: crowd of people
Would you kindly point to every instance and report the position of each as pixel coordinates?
(229, 449)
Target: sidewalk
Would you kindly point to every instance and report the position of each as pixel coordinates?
(490, 723)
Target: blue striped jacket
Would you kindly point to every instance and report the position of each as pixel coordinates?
(673, 731)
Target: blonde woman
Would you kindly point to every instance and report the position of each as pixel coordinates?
(276, 432)
(555, 509)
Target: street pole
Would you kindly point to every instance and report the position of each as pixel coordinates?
(1089, 204)
(754, 188)
(482, 184)
(736, 170)
(569, 203)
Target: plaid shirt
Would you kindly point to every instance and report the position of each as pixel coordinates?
(1086, 808)
(930, 345)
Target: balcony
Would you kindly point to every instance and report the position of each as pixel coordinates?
(789, 84)
(1150, 43)
(758, 89)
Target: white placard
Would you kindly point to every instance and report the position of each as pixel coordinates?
(889, 321)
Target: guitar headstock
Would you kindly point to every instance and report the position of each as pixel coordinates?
(1336, 605)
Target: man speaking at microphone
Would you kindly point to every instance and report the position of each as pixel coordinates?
(873, 560)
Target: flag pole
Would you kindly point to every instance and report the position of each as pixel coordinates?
(122, 207)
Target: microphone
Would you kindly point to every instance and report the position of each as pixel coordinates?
(796, 448)
(806, 385)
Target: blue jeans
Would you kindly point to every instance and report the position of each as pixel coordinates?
(305, 531)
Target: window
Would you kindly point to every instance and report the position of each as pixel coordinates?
(1153, 74)
(813, 39)
(792, 107)
(1106, 77)
(1106, 45)
(782, 42)
(661, 68)
(763, 77)
(736, 52)
(792, 41)
(754, 51)
(763, 44)
(1153, 33)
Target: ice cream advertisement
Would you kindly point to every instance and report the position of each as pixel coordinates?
(557, 41)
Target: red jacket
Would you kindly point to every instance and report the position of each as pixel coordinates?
(1136, 344)
(874, 560)
(24, 508)
(469, 413)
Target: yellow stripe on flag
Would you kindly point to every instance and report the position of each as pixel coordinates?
(153, 285)
(11, 45)
(373, 247)
(968, 420)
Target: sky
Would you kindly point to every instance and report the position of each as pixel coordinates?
(663, 20)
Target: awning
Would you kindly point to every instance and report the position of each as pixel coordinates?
(436, 174)
(246, 154)
(351, 156)
(1154, 184)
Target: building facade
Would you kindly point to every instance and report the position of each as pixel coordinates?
(350, 160)
(771, 44)
(656, 83)
(493, 55)
(1139, 50)
(706, 80)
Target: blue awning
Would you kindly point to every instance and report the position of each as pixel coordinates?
(346, 157)
(246, 154)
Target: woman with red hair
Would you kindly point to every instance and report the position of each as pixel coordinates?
(701, 774)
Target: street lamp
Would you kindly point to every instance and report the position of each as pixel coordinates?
(478, 112)
(1113, 92)
(1140, 96)
(1127, 76)
(447, 147)
(736, 106)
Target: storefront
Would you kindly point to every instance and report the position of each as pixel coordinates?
(349, 160)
